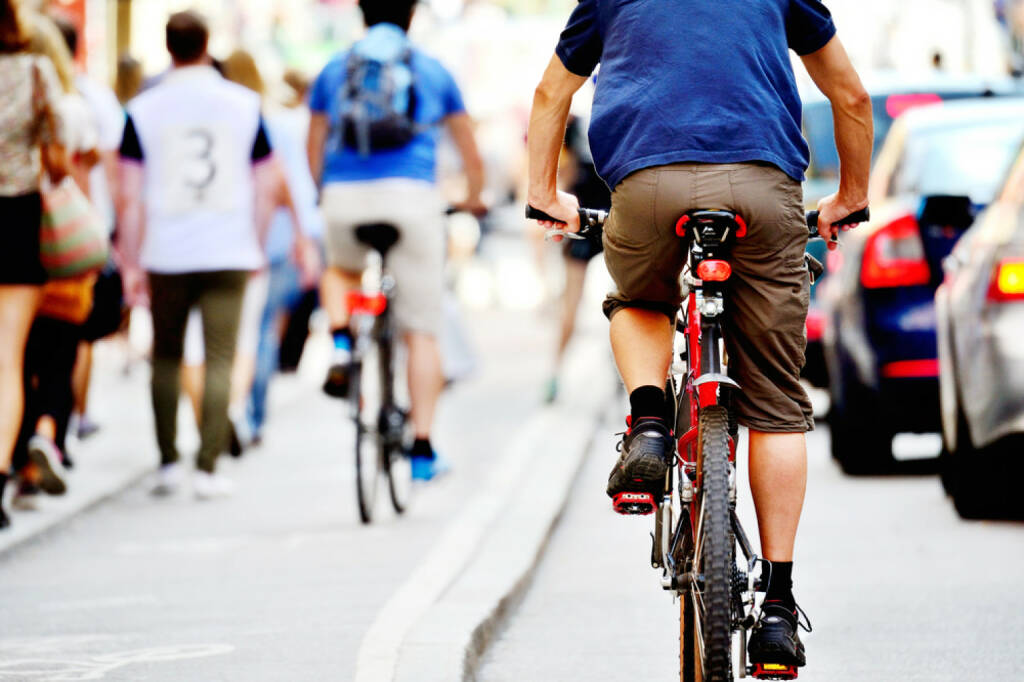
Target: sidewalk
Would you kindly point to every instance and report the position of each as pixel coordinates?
(121, 453)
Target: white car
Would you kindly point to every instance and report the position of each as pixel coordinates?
(980, 320)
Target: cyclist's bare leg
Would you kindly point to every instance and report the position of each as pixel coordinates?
(575, 273)
(425, 380)
(642, 345)
(778, 480)
(334, 287)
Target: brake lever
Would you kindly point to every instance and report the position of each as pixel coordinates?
(550, 234)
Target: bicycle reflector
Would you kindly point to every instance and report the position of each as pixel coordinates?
(714, 270)
(1007, 281)
(360, 303)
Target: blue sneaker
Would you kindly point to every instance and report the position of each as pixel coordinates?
(429, 468)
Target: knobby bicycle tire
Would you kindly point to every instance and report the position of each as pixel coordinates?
(718, 545)
(689, 669)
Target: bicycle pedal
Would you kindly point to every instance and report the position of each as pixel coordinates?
(634, 503)
(773, 671)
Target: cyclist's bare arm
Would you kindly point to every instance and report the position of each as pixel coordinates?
(548, 119)
(316, 142)
(832, 72)
(460, 126)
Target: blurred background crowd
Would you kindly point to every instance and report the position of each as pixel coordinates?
(877, 338)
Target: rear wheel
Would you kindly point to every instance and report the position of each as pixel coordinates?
(861, 437)
(714, 554)
(979, 479)
(399, 466)
(689, 669)
(368, 443)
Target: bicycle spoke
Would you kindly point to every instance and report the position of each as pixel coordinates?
(700, 540)
(698, 610)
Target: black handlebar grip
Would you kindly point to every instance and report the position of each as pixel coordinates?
(536, 214)
(861, 216)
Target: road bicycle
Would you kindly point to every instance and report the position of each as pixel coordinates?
(376, 407)
(696, 528)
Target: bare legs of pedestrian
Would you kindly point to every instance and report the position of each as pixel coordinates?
(575, 275)
(17, 309)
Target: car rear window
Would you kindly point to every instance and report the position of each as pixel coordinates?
(971, 158)
(820, 136)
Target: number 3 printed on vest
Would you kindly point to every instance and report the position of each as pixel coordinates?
(200, 169)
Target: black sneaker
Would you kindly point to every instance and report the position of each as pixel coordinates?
(775, 648)
(336, 384)
(638, 478)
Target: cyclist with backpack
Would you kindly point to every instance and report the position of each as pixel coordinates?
(377, 113)
(696, 107)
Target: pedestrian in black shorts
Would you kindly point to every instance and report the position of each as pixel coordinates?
(29, 133)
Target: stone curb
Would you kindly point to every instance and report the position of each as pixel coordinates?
(449, 641)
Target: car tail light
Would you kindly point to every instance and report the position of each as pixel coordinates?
(897, 104)
(714, 270)
(894, 256)
(1007, 281)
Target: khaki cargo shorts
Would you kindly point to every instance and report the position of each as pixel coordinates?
(766, 303)
(416, 261)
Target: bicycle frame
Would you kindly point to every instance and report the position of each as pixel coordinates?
(703, 384)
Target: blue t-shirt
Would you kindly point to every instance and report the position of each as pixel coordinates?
(437, 97)
(706, 81)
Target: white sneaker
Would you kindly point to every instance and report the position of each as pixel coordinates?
(168, 480)
(209, 486)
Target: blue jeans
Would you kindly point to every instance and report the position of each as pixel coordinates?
(283, 292)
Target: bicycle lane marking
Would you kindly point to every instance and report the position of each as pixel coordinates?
(378, 652)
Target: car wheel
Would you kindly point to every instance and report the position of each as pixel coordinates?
(966, 474)
(861, 436)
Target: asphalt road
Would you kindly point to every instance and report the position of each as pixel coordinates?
(280, 582)
(896, 585)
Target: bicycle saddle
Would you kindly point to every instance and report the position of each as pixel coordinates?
(711, 225)
(378, 236)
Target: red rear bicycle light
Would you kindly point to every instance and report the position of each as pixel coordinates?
(714, 270)
(1007, 281)
(894, 256)
(360, 303)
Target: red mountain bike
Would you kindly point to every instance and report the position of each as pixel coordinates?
(696, 528)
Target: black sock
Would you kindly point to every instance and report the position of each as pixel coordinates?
(647, 402)
(780, 584)
(421, 448)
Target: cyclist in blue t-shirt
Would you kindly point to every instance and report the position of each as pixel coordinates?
(377, 113)
(696, 107)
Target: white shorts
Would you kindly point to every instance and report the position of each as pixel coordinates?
(416, 261)
(248, 325)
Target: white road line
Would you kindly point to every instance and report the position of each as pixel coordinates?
(378, 653)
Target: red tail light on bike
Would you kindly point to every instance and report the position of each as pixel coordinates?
(714, 270)
(1007, 281)
(360, 303)
(894, 256)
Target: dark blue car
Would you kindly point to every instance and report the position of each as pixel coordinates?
(891, 95)
(938, 167)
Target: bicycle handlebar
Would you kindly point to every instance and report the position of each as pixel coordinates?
(592, 220)
(861, 216)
